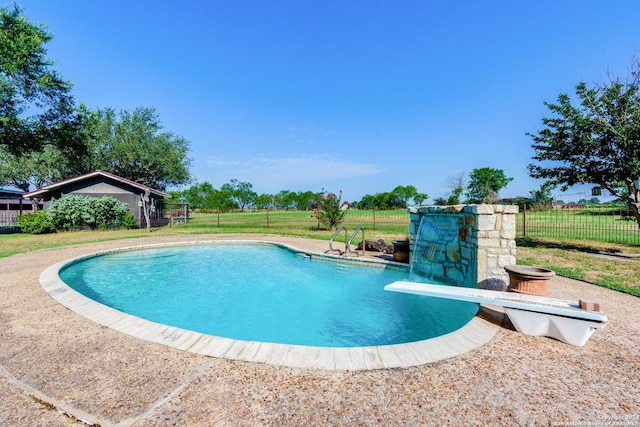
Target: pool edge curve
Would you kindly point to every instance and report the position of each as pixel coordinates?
(472, 335)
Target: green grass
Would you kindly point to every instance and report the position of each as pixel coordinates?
(568, 257)
(389, 225)
(576, 259)
(597, 223)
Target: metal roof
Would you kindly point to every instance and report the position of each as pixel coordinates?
(79, 178)
(10, 193)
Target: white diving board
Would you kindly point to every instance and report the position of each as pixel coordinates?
(530, 314)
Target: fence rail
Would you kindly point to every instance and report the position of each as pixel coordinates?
(390, 220)
(9, 221)
(604, 223)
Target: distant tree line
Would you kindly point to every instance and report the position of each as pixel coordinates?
(400, 197)
(240, 195)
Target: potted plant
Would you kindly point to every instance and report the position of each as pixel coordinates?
(529, 280)
(401, 250)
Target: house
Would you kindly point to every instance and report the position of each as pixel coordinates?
(12, 205)
(98, 184)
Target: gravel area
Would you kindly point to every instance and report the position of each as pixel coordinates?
(58, 368)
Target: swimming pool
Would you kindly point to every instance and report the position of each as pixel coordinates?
(264, 293)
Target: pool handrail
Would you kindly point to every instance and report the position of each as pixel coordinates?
(342, 227)
(355, 233)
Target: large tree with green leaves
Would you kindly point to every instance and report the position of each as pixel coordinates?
(35, 102)
(241, 192)
(133, 144)
(35, 168)
(485, 184)
(594, 141)
(304, 200)
(543, 196)
(409, 192)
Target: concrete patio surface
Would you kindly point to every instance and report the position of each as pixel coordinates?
(59, 368)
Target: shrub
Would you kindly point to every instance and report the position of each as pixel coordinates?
(129, 221)
(70, 211)
(36, 223)
(109, 212)
(73, 211)
(330, 210)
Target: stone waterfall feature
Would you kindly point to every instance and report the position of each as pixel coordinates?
(437, 251)
(464, 245)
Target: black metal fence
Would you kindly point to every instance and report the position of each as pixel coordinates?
(388, 220)
(9, 221)
(604, 223)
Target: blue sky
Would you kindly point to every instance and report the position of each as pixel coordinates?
(354, 95)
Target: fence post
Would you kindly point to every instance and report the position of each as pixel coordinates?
(524, 219)
(218, 217)
(267, 217)
(374, 217)
(186, 213)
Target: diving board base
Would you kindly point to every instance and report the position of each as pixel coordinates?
(566, 329)
(530, 315)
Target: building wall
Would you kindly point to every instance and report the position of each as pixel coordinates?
(100, 186)
(468, 245)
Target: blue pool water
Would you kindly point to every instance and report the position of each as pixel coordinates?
(265, 293)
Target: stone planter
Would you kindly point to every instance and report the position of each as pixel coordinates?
(529, 280)
(401, 250)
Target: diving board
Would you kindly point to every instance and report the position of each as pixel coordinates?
(531, 315)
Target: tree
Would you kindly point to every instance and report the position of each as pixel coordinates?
(485, 184)
(35, 168)
(133, 145)
(397, 198)
(51, 162)
(263, 201)
(440, 201)
(330, 210)
(35, 105)
(220, 200)
(409, 192)
(543, 196)
(419, 198)
(285, 199)
(388, 200)
(456, 185)
(241, 192)
(196, 195)
(596, 141)
(304, 200)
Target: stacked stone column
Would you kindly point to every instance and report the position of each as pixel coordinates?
(486, 235)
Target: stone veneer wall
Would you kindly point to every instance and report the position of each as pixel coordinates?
(485, 243)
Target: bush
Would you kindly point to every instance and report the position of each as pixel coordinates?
(129, 221)
(36, 223)
(329, 210)
(109, 213)
(75, 211)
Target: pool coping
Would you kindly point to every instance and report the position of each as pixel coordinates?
(474, 334)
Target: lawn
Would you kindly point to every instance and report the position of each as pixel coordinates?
(569, 257)
(601, 223)
(590, 261)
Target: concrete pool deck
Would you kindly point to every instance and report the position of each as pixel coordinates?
(54, 362)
